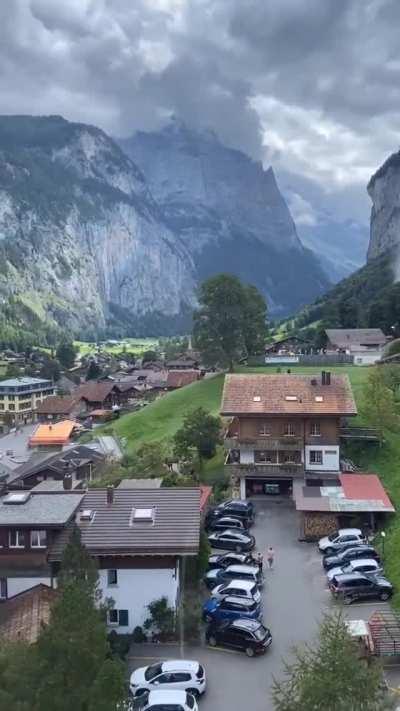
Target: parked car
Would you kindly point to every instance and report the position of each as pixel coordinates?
(355, 553)
(341, 539)
(356, 586)
(222, 560)
(170, 700)
(232, 540)
(237, 588)
(221, 524)
(250, 636)
(230, 608)
(234, 507)
(181, 674)
(362, 565)
(233, 572)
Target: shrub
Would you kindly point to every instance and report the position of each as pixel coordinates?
(138, 635)
(161, 620)
(120, 644)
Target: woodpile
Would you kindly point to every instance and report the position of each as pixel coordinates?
(317, 525)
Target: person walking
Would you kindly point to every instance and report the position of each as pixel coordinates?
(260, 562)
(270, 557)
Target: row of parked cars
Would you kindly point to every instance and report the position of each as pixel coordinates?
(353, 567)
(233, 612)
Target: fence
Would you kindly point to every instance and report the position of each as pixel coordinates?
(315, 359)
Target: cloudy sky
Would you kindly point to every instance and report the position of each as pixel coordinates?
(310, 86)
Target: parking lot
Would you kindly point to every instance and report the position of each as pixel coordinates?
(294, 597)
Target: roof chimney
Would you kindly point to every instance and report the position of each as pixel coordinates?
(110, 495)
(327, 378)
(67, 482)
(323, 377)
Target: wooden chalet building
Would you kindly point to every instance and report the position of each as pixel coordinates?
(284, 428)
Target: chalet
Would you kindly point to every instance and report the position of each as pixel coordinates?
(59, 408)
(23, 615)
(98, 395)
(284, 428)
(180, 378)
(79, 462)
(140, 539)
(365, 344)
(291, 345)
(29, 526)
(55, 435)
(184, 363)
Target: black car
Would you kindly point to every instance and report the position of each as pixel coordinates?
(355, 553)
(355, 586)
(235, 507)
(221, 524)
(222, 560)
(250, 636)
(232, 540)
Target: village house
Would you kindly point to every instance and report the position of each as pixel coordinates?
(289, 346)
(183, 363)
(180, 378)
(55, 435)
(20, 397)
(284, 428)
(366, 345)
(80, 463)
(56, 408)
(22, 617)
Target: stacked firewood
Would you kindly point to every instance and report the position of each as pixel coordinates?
(317, 525)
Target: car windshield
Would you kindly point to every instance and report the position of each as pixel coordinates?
(152, 671)
(167, 707)
(333, 536)
(260, 632)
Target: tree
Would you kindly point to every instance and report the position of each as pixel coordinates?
(107, 691)
(66, 353)
(378, 403)
(200, 431)
(13, 371)
(229, 323)
(94, 371)
(330, 675)
(50, 369)
(149, 356)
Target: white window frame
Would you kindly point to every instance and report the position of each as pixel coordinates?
(316, 456)
(264, 429)
(17, 533)
(109, 621)
(112, 570)
(290, 430)
(313, 427)
(39, 533)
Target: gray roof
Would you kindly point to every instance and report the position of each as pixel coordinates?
(40, 510)
(53, 486)
(14, 382)
(107, 445)
(174, 530)
(140, 484)
(76, 454)
(350, 337)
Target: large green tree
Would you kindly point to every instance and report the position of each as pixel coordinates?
(230, 322)
(378, 404)
(201, 432)
(66, 353)
(330, 675)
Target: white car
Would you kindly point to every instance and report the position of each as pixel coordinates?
(362, 565)
(173, 674)
(238, 588)
(172, 700)
(344, 537)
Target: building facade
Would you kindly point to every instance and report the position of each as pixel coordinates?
(283, 428)
(20, 397)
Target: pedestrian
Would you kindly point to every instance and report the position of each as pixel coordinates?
(270, 557)
(260, 562)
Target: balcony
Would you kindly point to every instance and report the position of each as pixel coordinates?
(284, 443)
(264, 469)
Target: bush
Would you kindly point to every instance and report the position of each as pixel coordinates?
(162, 619)
(138, 635)
(120, 644)
(191, 611)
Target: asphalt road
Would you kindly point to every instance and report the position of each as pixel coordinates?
(17, 442)
(295, 597)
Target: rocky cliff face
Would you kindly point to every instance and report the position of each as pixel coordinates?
(229, 212)
(384, 191)
(81, 238)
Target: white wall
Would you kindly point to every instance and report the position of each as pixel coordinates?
(243, 488)
(17, 585)
(330, 458)
(365, 358)
(136, 588)
(247, 456)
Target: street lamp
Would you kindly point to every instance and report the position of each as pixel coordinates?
(383, 536)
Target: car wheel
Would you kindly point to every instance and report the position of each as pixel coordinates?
(194, 692)
(384, 596)
(249, 651)
(212, 641)
(347, 600)
(141, 692)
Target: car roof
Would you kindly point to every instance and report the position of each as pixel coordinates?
(347, 531)
(243, 624)
(363, 561)
(232, 531)
(240, 600)
(228, 518)
(180, 665)
(166, 696)
(239, 568)
(349, 576)
(241, 584)
(348, 551)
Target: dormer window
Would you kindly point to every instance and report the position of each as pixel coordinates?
(291, 398)
(319, 398)
(256, 398)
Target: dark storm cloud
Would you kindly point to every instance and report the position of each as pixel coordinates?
(312, 85)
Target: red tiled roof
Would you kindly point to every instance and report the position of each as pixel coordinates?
(268, 394)
(364, 486)
(95, 392)
(57, 405)
(179, 378)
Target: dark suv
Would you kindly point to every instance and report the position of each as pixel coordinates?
(355, 553)
(248, 635)
(221, 524)
(224, 559)
(244, 510)
(355, 586)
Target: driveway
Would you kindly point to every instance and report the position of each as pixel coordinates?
(18, 443)
(295, 598)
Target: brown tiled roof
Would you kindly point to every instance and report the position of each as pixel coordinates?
(266, 395)
(22, 616)
(175, 528)
(179, 378)
(57, 405)
(95, 392)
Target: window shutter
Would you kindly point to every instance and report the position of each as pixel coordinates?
(123, 618)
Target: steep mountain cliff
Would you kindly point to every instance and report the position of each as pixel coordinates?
(82, 241)
(384, 191)
(229, 212)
